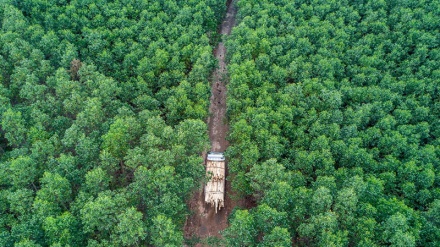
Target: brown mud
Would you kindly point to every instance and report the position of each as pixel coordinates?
(204, 223)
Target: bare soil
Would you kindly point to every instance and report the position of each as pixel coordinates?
(204, 224)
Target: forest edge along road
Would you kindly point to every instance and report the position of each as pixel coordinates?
(204, 222)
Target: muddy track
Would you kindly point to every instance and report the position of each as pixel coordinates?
(204, 222)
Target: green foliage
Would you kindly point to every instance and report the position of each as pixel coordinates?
(13, 125)
(62, 230)
(333, 110)
(23, 171)
(121, 136)
(100, 214)
(55, 189)
(279, 237)
(26, 243)
(241, 231)
(163, 232)
(263, 176)
(130, 229)
(396, 231)
(97, 180)
(431, 228)
(94, 95)
(20, 201)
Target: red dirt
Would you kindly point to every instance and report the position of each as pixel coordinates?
(204, 222)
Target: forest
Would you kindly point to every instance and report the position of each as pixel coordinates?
(333, 106)
(334, 111)
(102, 111)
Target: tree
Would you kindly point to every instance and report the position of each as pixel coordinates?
(27, 243)
(55, 190)
(323, 230)
(13, 125)
(280, 197)
(347, 108)
(321, 200)
(363, 231)
(192, 135)
(266, 218)
(97, 180)
(431, 227)
(67, 167)
(163, 232)
(23, 171)
(345, 206)
(262, 176)
(78, 82)
(121, 136)
(99, 215)
(91, 118)
(396, 231)
(62, 230)
(21, 201)
(130, 230)
(241, 231)
(278, 237)
(14, 20)
(155, 191)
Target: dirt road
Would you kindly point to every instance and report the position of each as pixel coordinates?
(204, 222)
(217, 123)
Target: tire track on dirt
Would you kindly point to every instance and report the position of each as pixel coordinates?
(204, 222)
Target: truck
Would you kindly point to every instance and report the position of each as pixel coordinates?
(215, 187)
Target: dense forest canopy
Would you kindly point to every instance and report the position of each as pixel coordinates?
(334, 109)
(102, 110)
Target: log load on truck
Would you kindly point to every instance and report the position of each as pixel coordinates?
(215, 187)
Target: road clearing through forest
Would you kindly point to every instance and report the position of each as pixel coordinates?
(204, 222)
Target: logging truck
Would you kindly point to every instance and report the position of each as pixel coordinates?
(215, 187)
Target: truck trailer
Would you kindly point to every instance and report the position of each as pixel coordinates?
(215, 187)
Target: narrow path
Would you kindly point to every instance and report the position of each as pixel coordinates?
(204, 222)
(218, 126)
